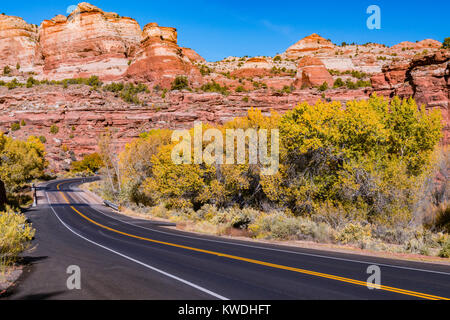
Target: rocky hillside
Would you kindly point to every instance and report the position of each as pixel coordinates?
(41, 93)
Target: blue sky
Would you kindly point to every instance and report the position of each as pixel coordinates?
(218, 29)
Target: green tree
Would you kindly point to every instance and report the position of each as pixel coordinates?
(90, 164)
(20, 161)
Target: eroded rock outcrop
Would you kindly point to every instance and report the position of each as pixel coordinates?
(312, 73)
(312, 43)
(18, 43)
(160, 60)
(425, 78)
(88, 42)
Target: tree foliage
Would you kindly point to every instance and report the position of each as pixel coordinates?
(20, 161)
(365, 161)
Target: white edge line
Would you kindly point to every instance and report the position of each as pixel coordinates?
(137, 261)
(270, 249)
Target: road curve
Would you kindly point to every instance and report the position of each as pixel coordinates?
(124, 258)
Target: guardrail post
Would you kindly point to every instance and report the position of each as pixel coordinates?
(35, 199)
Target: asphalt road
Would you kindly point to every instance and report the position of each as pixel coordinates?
(123, 258)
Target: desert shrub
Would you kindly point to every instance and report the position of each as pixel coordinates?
(128, 92)
(287, 89)
(279, 225)
(277, 59)
(442, 220)
(339, 83)
(323, 87)
(15, 236)
(214, 87)
(446, 43)
(180, 83)
(354, 233)
(54, 129)
(6, 70)
(13, 84)
(445, 251)
(31, 82)
(115, 87)
(240, 89)
(42, 139)
(15, 126)
(205, 70)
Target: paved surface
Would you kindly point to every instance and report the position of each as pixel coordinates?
(123, 258)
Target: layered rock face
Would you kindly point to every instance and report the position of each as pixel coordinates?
(253, 67)
(192, 55)
(93, 42)
(425, 78)
(160, 60)
(18, 43)
(88, 42)
(424, 44)
(312, 43)
(312, 73)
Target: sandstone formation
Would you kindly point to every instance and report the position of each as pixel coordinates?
(425, 78)
(312, 43)
(312, 73)
(18, 43)
(160, 60)
(192, 55)
(424, 44)
(88, 42)
(253, 67)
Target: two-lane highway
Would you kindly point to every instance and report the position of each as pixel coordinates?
(124, 258)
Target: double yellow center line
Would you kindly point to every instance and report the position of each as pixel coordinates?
(262, 263)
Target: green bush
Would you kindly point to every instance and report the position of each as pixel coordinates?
(54, 129)
(42, 139)
(214, 87)
(15, 126)
(90, 164)
(240, 89)
(323, 87)
(205, 70)
(446, 43)
(13, 84)
(339, 83)
(180, 83)
(6, 70)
